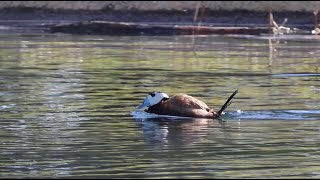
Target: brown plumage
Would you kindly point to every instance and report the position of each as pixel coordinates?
(186, 106)
(183, 105)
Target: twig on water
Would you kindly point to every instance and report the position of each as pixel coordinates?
(316, 29)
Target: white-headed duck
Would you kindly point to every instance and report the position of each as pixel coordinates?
(181, 105)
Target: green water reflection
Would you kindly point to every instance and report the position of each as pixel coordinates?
(66, 104)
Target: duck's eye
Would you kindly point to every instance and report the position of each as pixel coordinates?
(152, 94)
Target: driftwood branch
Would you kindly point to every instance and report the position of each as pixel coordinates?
(123, 28)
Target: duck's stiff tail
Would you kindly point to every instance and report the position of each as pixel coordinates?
(227, 103)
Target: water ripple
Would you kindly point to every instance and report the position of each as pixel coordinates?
(7, 106)
(243, 115)
(295, 74)
(275, 115)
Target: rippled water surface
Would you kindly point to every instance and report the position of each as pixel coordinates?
(67, 105)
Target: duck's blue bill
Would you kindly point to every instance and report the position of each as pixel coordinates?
(146, 103)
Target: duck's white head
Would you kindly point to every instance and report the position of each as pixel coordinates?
(153, 98)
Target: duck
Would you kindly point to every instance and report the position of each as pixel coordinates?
(181, 104)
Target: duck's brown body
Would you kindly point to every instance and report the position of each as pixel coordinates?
(183, 105)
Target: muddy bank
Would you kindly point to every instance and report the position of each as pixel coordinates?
(260, 6)
(232, 18)
(49, 18)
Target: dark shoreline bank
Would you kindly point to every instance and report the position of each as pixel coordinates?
(47, 18)
(234, 18)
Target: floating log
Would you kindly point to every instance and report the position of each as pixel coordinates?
(134, 29)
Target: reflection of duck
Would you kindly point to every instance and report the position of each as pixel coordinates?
(170, 131)
(181, 105)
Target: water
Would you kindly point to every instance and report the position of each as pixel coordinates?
(67, 105)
